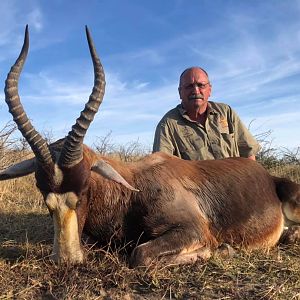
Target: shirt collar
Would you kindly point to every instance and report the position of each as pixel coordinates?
(210, 110)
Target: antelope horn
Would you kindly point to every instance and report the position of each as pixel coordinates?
(72, 149)
(37, 143)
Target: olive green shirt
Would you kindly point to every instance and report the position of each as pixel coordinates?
(224, 135)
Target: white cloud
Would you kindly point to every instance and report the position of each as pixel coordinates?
(35, 19)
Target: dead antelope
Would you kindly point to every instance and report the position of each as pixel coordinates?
(166, 208)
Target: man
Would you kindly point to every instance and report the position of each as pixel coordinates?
(199, 129)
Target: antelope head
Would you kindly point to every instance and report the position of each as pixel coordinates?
(61, 169)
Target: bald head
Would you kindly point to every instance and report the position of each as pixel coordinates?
(191, 69)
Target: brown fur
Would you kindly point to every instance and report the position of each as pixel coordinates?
(184, 210)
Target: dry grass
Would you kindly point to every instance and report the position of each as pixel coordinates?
(289, 171)
(26, 272)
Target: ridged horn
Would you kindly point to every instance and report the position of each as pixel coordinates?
(37, 143)
(72, 149)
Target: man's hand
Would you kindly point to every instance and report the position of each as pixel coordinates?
(252, 157)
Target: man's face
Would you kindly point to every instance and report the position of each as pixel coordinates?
(194, 90)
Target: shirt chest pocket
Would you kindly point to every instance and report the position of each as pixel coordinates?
(194, 139)
(190, 140)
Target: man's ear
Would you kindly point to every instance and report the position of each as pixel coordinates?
(179, 91)
(209, 91)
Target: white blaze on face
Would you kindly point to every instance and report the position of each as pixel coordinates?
(66, 238)
(59, 176)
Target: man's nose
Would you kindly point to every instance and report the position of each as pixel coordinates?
(196, 88)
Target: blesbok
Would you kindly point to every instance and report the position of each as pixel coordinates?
(163, 207)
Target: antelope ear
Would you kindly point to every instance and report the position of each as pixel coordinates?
(106, 170)
(19, 170)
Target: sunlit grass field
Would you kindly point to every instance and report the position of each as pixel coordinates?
(26, 272)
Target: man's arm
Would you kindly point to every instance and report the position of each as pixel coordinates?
(163, 139)
(247, 144)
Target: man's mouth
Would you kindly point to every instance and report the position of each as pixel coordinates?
(198, 96)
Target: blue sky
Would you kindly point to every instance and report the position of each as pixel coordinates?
(251, 50)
